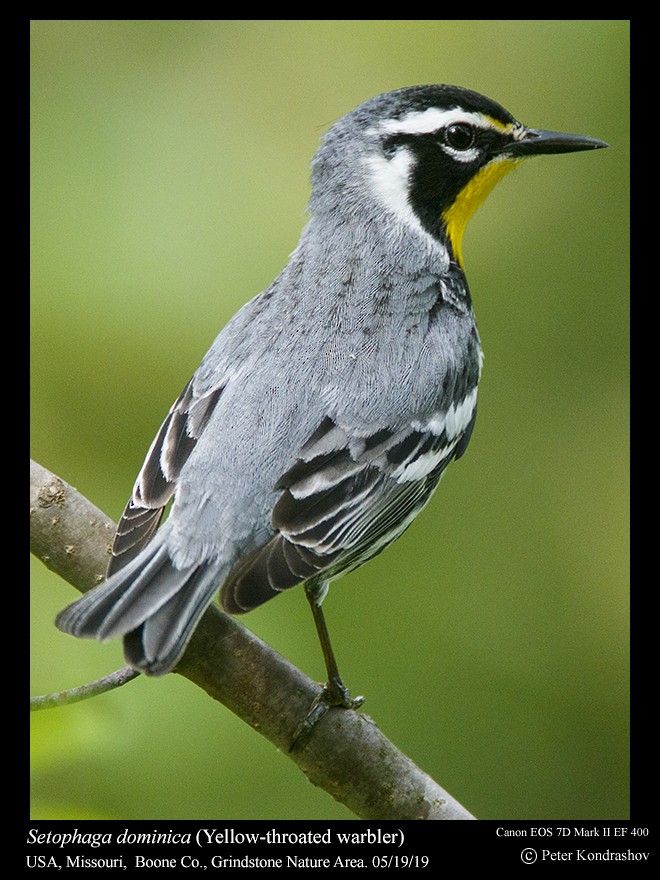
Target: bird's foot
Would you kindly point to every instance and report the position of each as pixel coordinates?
(334, 693)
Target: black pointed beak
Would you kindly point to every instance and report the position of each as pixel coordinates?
(536, 142)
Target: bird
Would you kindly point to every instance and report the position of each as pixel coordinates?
(324, 414)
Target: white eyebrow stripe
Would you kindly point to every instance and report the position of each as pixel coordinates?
(432, 119)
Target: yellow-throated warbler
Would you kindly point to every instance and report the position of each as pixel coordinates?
(324, 414)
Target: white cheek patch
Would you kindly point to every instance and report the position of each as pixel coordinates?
(390, 183)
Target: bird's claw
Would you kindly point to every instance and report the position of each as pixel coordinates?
(333, 694)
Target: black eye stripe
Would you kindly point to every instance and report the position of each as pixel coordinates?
(457, 137)
(394, 141)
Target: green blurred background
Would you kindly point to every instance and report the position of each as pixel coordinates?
(170, 175)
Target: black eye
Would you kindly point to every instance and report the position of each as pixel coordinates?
(459, 136)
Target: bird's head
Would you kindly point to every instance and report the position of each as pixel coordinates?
(428, 155)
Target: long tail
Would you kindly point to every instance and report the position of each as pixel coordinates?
(152, 604)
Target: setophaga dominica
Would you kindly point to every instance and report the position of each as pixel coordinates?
(323, 416)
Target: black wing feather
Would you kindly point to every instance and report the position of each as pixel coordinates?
(343, 501)
(157, 480)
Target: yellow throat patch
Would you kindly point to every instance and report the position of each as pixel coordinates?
(472, 195)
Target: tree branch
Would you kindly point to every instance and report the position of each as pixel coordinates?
(346, 754)
(85, 691)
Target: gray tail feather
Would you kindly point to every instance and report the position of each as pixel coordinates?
(156, 645)
(149, 602)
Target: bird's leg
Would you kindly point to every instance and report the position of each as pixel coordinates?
(335, 692)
